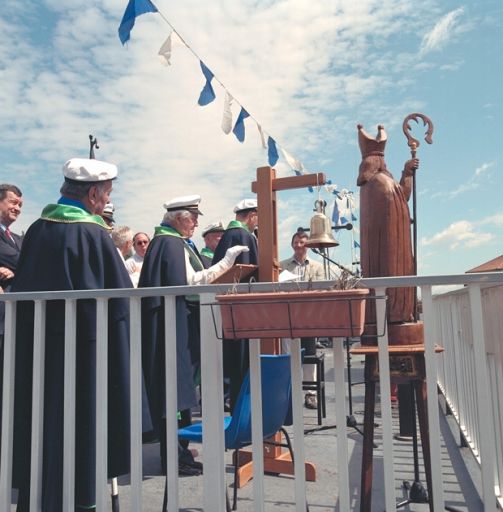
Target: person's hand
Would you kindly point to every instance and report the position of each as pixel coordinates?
(233, 252)
(6, 273)
(411, 166)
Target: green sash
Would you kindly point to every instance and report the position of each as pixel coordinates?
(208, 253)
(238, 224)
(71, 215)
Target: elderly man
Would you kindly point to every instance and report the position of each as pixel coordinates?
(134, 264)
(173, 260)
(69, 248)
(308, 270)
(211, 236)
(239, 231)
(122, 237)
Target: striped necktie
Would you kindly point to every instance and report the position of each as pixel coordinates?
(9, 234)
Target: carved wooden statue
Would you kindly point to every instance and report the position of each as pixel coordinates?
(385, 224)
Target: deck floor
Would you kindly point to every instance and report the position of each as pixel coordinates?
(459, 470)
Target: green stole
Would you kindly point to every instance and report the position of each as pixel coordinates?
(71, 215)
(238, 224)
(208, 253)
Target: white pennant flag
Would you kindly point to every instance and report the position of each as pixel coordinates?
(227, 114)
(166, 48)
(262, 136)
(295, 164)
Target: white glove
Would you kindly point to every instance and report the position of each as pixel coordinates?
(208, 275)
(232, 253)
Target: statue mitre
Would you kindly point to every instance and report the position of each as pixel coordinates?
(370, 146)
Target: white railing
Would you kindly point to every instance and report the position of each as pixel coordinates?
(470, 374)
(473, 401)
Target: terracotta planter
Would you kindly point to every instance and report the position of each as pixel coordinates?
(339, 313)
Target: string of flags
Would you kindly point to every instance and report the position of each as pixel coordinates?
(207, 95)
(344, 204)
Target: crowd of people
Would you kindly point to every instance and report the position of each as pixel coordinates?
(75, 245)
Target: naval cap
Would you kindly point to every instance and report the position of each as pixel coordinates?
(245, 204)
(89, 170)
(189, 203)
(108, 211)
(215, 227)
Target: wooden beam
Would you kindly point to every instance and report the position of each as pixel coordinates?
(303, 181)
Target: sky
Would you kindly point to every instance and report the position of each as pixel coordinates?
(307, 72)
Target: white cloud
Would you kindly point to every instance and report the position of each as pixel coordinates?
(442, 32)
(496, 220)
(459, 234)
(474, 182)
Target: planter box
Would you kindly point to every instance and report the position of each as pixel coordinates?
(338, 313)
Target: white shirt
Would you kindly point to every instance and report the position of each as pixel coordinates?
(133, 266)
(309, 270)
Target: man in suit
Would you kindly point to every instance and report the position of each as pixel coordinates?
(10, 245)
(11, 203)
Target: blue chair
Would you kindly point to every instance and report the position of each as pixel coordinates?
(275, 370)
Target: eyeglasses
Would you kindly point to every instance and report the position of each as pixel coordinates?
(141, 242)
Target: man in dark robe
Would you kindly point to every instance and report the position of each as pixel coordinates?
(239, 232)
(69, 248)
(173, 260)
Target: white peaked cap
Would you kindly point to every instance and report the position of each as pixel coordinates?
(109, 209)
(189, 203)
(245, 204)
(212, 228)
(89, 170)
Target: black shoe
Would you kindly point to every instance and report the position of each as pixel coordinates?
(196, 464)
(186, 470)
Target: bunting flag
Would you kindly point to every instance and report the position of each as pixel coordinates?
(207, 94)
(295, 164)
(356, 244)
(167, 47)
(134, 8)
(262, 136)
(239, 127)
(272, 152)
(227, 114)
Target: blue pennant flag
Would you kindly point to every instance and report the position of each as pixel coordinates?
(239, 127)
(134, 8)
(353, 217)
(272, 152)
(356, 244)
(335, 213)
(343, 220)
(207, 94)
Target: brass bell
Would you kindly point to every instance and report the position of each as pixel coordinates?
(320, 234)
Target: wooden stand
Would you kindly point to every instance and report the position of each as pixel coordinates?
(406, 366)
(275, 460)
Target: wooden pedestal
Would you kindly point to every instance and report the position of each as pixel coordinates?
(406, 366)
(276, 461)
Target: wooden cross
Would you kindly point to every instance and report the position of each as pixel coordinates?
(266, 186)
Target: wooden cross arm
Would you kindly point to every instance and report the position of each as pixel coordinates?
(302, 181)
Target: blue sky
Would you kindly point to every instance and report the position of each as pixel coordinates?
(308, 72)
